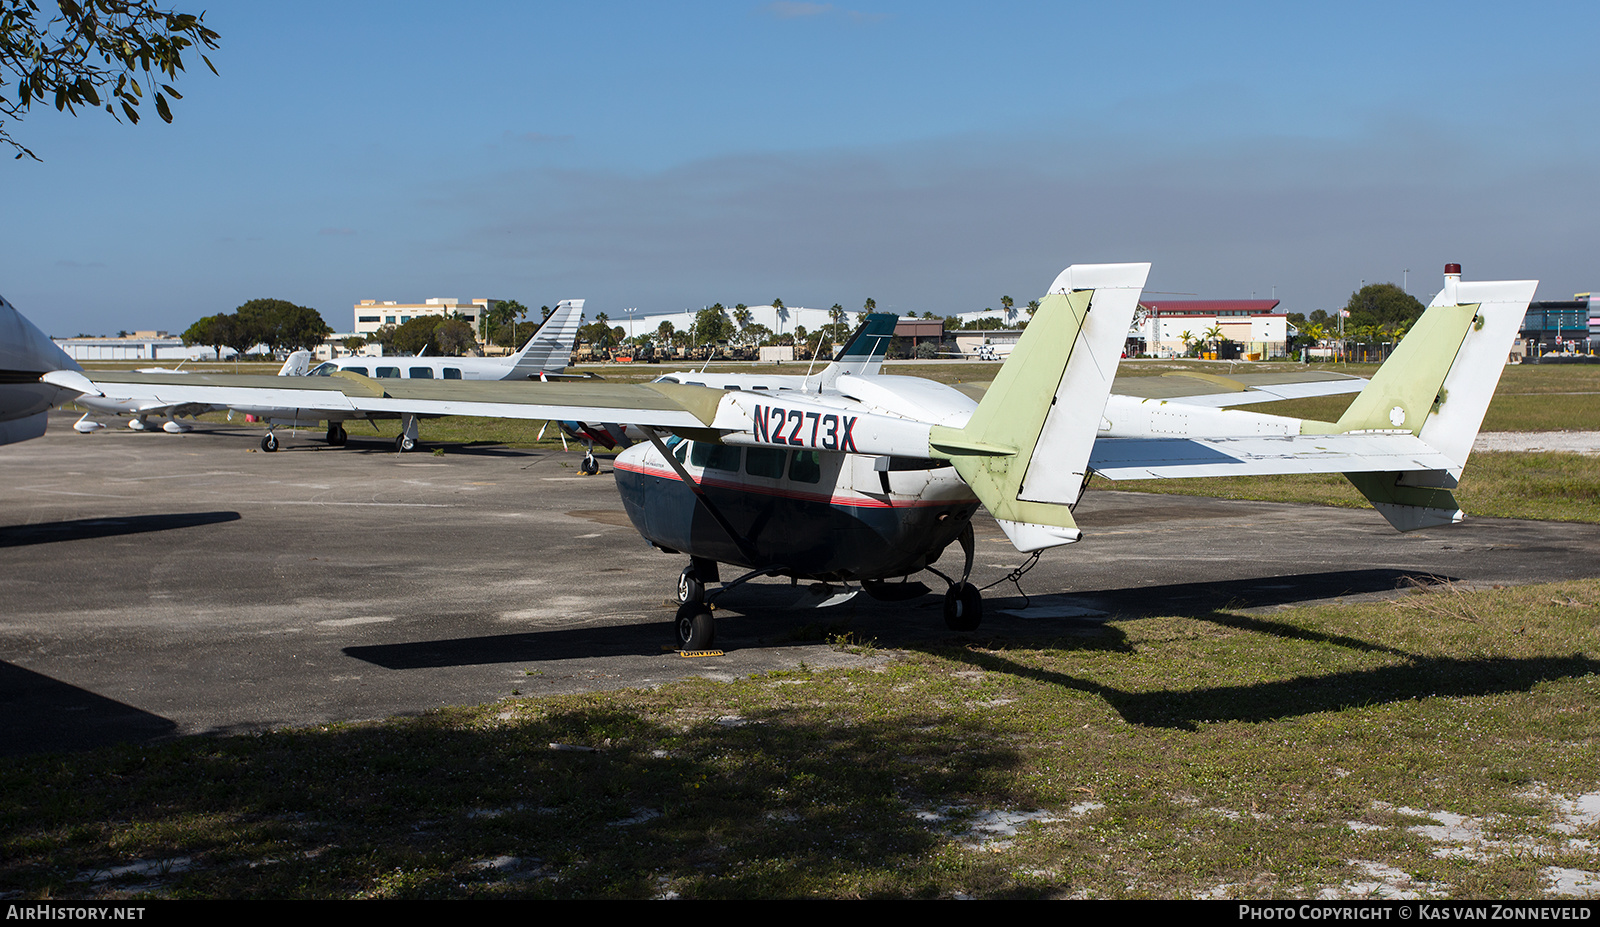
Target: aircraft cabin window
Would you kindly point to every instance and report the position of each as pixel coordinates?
(681, 450)
(388, 373)
(421, 373)
(806, 467)
(765, 461)
(360, 370)
(715, 456)
(323, 370)
(452, 373)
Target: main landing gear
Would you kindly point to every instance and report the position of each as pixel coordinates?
(696, 628)
(963, 603)
(337, 436)
(693, 624)
(407, 441)
(963, 608)
(269, 442)
(589, 466)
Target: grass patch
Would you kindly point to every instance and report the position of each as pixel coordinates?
(1231, 754)
(1530, 397)
(1541, 486)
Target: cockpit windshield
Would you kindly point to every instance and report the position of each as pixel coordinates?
(323, 370)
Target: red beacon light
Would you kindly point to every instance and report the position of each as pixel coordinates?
(1453, 269)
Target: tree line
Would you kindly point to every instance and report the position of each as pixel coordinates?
(1376, 312)
(279, 324)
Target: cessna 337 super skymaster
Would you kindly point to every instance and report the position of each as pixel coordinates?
(867, 479)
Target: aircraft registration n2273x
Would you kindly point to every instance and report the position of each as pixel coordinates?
(862, 354)
(865, 481)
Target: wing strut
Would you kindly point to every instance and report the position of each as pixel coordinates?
(738, 540)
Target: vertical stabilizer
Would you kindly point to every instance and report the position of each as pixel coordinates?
(1437, 385)
(1025, 451)
(551, 346)
(863, 354)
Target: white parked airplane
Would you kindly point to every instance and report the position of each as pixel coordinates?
(867, 479)
(546, 353)
(25, 354)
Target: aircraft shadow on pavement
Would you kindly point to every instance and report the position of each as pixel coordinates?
(45, 715)
(425, 448)
(762, 615)
(526, 647)
(81, 529)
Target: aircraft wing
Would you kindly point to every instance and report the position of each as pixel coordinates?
(740, 417)
(1219, 391)
(1161, 458)
(665, 405)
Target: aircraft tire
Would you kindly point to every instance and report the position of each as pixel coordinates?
(690, 588)
(269, 443)
(696, 629)
(589, 466)
(337, 435)
(404, 443)
(963, 607)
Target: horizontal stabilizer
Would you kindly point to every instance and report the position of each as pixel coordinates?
(1175, 458)
(1277, 392)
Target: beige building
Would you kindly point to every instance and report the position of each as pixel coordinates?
(372, 314)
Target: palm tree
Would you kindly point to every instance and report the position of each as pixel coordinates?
(1214, 335)
(1011, 312)
(741, 318)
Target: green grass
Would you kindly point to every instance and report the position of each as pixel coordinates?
(1239, 754)
(1541, 486)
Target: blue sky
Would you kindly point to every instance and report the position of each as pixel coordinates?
(933, 156)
